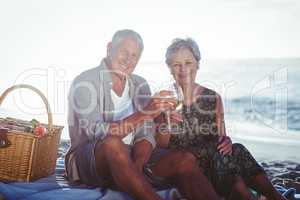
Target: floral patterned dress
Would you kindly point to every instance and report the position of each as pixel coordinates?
(199, 135)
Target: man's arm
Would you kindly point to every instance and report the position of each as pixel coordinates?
(129, 124)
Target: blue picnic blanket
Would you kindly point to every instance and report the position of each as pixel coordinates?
(55, 187)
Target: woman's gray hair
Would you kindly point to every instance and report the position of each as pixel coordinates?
(126, 33)
(178, 44)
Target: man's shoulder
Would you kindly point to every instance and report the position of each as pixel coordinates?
(138, 79)
(88, 75)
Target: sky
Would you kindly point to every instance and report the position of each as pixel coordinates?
(60, 32)
(61, 38)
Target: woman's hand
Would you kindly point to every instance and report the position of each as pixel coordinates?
(225, 145)
(176, 117)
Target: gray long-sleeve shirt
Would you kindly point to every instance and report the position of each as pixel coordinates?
(90, 111)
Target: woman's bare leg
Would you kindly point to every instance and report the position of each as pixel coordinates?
(182, 168)
(240, 191)
(262, 184)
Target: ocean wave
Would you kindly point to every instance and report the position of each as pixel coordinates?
(265, 111)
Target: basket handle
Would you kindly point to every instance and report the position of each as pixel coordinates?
(5, 93)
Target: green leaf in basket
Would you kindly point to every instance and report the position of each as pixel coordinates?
(34, 123)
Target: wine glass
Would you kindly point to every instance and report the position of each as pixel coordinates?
(177, 94)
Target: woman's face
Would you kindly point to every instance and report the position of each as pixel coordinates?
(184, 67)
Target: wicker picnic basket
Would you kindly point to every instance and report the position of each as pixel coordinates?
(29, 157)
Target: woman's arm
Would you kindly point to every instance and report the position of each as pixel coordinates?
(162, 136)
(220, 116)
(162, 139)
(225, 144)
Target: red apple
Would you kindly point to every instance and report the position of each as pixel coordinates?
(39, 131)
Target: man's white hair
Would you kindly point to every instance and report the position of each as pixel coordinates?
(126, 33)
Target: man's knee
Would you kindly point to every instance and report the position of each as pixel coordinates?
(111, 145)
(188, 157)
(186, 162)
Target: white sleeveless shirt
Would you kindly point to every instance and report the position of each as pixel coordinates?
(123, 108)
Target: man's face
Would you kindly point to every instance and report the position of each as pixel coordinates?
(125, 56)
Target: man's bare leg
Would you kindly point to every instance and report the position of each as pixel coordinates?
(113, 159)
(182, 168)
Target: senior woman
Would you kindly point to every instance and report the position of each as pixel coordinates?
(202, 125)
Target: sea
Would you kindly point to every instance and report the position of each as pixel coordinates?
(261, 99)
